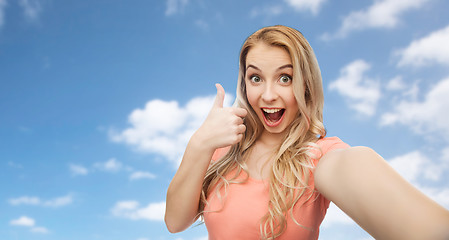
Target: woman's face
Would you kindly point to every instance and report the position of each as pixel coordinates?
(269, 76)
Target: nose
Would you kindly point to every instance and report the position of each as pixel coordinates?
(269, 94)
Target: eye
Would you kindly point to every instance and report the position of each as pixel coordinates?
(255, 79)
(285, 79)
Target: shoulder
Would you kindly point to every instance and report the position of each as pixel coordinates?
(331, 143)
(326, 145)
(338, 163)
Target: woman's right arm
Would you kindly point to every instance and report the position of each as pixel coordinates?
(184, 191)
(222, 127)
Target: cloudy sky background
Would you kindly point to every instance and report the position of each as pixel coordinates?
(99, 98)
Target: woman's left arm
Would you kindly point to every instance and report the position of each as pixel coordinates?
(364, 186)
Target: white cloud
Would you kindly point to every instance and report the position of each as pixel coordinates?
(3, 4)
(396, 84)
(312, 6)
(28, 222)
(382, 14)
(427, 50)
(361, 93)
(204, 25)
(439, 195)
(124, 206)
(23, 221)
(335, 215)
(131, 210)
(163, 127)
(274, 10)
(59, 202)
(39, 230)
(415, 166)
(78, 170)
(56, 202)
(202, 238)
(445, 154)
(25, 200)
(13, 164)
(24, 129)
(175, 6)
(306, 5)
(111, 165)
(141, 175)
(367, 238)
(412, 92)
(31, 9)
(428, 116)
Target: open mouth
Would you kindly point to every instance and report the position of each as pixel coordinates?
(273, 116)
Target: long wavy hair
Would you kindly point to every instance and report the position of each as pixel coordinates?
(292, 164)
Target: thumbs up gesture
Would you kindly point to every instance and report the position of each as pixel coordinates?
(223, 126)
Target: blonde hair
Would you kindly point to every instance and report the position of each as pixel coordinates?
(292, 163)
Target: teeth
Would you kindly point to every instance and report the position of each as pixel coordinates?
(271, 110)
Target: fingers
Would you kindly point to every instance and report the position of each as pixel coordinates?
(230, 120)
(239, 121)
(241, 129)
(219, 99)
(240, 112)
(237, 115)
(239, 138)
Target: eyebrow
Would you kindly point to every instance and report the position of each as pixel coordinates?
(281, 67)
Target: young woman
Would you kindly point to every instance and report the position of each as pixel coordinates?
(273, 172)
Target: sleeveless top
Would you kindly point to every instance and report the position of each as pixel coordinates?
(236, 214)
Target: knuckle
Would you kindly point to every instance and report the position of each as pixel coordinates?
(236, 120)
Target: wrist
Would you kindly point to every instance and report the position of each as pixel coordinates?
(202, 143)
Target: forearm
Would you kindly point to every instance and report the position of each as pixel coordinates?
(223, 127)
(183, 194)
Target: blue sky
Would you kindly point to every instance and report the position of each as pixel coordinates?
(98, 100)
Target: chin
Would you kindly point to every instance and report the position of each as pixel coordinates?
(275, 130)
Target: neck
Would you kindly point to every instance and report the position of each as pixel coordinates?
(271, 140)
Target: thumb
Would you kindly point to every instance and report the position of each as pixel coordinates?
(219, 99)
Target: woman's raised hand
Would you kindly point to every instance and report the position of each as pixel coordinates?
(223, 126)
